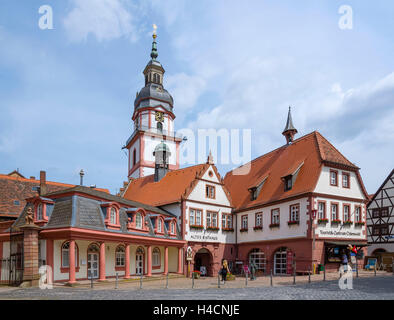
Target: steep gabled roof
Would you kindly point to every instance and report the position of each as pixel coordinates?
(175, 186)
(373, 196)
(306, 154)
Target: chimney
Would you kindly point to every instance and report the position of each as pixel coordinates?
(43, 183)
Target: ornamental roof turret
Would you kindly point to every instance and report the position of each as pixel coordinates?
(290, 131)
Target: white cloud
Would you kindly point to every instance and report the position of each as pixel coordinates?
(104, 19)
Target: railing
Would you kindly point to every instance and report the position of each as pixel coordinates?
(148, 129)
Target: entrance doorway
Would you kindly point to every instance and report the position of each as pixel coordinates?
(93, 261)
(203, 261)
(257, 257)
(139, 261)
(280, 261)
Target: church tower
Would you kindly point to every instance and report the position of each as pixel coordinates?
(153, 121)
(290, 131)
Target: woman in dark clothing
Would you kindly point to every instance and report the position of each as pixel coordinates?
(344, 260)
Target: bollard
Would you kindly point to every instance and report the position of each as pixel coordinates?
(392, 265)
(324, 273)
(356, 269)
(218, 281)
(309, 276)
(141, 281)
(192, 280)
(116, 281)
(167, 281)
(294, 277)
(271, 278)
(91, 282)
(246, 279)
(374, 269)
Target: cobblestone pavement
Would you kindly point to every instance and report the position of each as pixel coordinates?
(373, 288)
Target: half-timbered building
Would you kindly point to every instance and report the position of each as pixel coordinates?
(380, 218)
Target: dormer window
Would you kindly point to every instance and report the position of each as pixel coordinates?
(113, 219)
(159, 225)
(288, 183)
(138, 221)
(253, 194)
(40, 212)
(172, 227)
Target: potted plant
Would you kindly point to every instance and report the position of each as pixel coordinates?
(347, 223)
(322, 221)
(197, 227)
(196, 274)
(243, 230)
(213, 228)
(274, 225)
(228, 229)
(359, 223)
(335, 221)
(230, 277)
(258, 228)
(291, 223)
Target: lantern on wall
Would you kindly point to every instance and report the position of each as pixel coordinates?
(314, 213)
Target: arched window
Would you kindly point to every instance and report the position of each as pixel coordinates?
(120, 256)
(65, 255)
(159, 126)
(138, 221)
(39, 212)
(134, 157)
(159, 225)
(113, 219)
(172, 227)
(156, 258)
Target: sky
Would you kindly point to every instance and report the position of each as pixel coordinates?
(67, 93)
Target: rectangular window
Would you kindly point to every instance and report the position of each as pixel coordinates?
(192, 217)
(295, 212)
(275, 216)
(198, 218)
(334, 211)
(345, 180)
(357, 214)
(384, 212)
(120, 258)
(375, 213)
(384, 230)
(321, 210)
(346, 212)
(227, 221)
(333, 178)
(375, 230)
(245, 222)
(259, 219)
(253, 193)
(210, 192)
(212, 219)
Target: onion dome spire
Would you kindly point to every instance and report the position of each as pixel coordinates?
(154, 53)
(290, 131)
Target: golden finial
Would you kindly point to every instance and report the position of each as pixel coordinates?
(154, 31)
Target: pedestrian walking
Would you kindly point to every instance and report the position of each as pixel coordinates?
(224, 271)
(344, 260)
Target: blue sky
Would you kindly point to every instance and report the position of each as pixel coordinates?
(66, 95)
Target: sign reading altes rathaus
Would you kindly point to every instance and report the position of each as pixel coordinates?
(330, 233)
(203, 237)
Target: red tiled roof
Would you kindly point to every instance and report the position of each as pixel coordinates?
(310, 151)
(14, 188)
(170, 189)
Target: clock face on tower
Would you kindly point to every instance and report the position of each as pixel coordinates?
(159, 116)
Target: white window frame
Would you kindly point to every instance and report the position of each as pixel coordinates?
(112, 217)
(295, 212)
(259, 219)
(244, 222)
(138, 220)
(334, 205)
(357, 214)
(120, 257)
(321, 211)
(275, 216)
(156, 257)
(346, 215)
